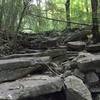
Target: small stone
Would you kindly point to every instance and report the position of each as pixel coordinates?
(92, 78)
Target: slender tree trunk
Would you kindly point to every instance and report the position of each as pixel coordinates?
(67, 5)
(21, 18)
(87, 8)
(95, 25)
(39, 13)
(1, 13)
(46, 13)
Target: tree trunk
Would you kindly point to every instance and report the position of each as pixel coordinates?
(22, 15)
(2, 14)
(95, 26)
(1, 6)
(67, 5)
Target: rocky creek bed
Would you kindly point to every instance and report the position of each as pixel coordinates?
(49, 70)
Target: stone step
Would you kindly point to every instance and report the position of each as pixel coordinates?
(30, 87)
(12, 69)
(76, 45)
(93, 47)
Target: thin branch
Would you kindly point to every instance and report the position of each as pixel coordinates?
(52, 70)
(60, 20)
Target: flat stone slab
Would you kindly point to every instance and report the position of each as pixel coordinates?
(30, 87)
(93, 47)
(76, 45)
(89, 63)
(20, 55)
(12, 69)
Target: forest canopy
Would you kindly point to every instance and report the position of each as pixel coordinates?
(44, 15)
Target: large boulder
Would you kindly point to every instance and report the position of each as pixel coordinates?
(77, 89)
(30, 87)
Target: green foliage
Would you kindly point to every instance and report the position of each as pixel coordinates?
(81, 11)
(34, 16)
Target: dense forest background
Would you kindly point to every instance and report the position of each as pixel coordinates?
(45, 15)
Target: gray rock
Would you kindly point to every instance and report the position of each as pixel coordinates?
(69, 65)
(95, 90)
(66, 73)
(22, 55)
(84, 54)
(75, 36)
(76, 45)
(77, 89)
(89, 63)
(66, 65)
(60, 54)
(30, 87)
(93, 47)
(92, 78)
(12, 69)
(49, 43)
(79, 74)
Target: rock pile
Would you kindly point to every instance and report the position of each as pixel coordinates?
(67, 73)
(19, 81)
(88, 67)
